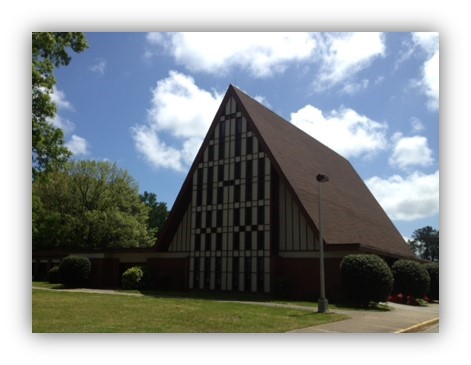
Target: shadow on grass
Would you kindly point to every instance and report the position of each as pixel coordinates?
(208, 295)
(227, 296)
(259, 297)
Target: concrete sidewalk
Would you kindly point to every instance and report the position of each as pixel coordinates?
(402, 319)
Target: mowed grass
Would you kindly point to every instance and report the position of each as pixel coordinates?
(56, 311)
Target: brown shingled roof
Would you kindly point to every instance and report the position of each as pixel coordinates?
(351, 214)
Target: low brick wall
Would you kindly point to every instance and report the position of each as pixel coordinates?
(300, 277)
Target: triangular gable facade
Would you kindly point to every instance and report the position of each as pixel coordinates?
(251, 195)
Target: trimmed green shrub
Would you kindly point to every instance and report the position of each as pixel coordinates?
(432, 269)
(53, 275)
(366, 278)
(74, 271)
(411, 279)
(133, 278)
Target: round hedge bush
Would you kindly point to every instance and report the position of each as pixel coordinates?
(74, 271)
(53, 275)
(133, 278)
(432, 269)
(411, 279)
(366, 278)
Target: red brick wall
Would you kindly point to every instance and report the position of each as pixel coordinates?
(175, 268)
(105, 273)
(302, 278)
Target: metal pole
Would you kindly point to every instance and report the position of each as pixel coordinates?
(323, 304)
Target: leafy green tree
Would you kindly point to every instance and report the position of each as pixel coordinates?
(158, 211)
(89, 204)
(425, 243)
(49, 50)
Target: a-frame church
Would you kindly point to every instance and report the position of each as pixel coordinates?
(246, 218)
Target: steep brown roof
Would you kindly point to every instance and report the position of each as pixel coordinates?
(351, 214)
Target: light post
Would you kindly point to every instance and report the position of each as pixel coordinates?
(323, 303)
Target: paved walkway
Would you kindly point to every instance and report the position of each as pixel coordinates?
(402, 319)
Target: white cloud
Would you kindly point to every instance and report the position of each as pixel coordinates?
(99, 66)
(429, 82)
(64, 124)
(263, 100)
(353, 87)
(416, 124)
(345, 131)
(407, 199)
(178, 120)
(343, 55)
(155, 151)
(410, 151)
(340, 55)
(78, 146)
(428, 41)
(264, 54)
(58, 98)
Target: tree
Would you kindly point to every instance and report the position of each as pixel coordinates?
(158, 211)
(89, 204)
(425, 243)
(49, 50)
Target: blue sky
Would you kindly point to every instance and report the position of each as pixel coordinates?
(145, 101)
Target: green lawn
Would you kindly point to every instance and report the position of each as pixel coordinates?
(59, 311)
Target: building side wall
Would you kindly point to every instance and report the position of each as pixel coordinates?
(299, 278)
(108, 266)
(294, 232)
(181, 241)
(171, 273)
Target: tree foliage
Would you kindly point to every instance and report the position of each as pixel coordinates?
(158, 211)
(425, 243)
(49, 51)
(89, 204)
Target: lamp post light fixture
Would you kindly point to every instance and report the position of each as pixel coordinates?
(323, 303)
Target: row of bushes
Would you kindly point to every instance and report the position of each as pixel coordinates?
(367, 278)
(73, 271)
